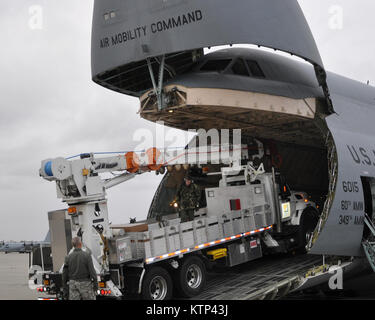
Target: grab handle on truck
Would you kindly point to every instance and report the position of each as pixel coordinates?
(277, 201)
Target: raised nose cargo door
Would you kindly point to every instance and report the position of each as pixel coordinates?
(173, 34)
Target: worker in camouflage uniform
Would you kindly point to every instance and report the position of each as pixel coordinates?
(188, 197)
(79, 271)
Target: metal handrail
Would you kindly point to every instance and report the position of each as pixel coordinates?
(369, 247)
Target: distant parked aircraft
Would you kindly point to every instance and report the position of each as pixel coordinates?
(23, 246)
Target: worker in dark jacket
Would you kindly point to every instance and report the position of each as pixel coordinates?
(80, 272)
(188, 197)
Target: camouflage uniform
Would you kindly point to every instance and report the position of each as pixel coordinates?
(79, 271)
(188, 198)
(81, 290)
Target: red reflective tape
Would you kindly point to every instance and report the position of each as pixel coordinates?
(235, 204)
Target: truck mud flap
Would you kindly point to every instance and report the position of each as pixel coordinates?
(132, 280)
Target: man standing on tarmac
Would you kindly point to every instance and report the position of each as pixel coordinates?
(188, 197)
(79, 271)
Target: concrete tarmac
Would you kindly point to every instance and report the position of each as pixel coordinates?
(14, 277)
(14, 283)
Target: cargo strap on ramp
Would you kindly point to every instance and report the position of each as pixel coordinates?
(269, 278)
(369, 246)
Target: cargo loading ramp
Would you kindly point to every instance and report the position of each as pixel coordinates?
(270, 278)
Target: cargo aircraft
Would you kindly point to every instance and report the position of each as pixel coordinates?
(316, 127)
(23, 246)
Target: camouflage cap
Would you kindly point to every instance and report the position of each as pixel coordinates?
(188, 176)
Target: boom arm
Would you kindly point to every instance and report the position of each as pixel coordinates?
(79, 180)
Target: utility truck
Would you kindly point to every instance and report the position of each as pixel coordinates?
(248, 213)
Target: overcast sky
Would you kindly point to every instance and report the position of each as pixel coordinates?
(50, 107)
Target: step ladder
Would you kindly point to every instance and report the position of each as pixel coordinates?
(369, 246)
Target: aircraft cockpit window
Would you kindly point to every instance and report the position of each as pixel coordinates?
(255, 69)
(215, 65)
(240, 69)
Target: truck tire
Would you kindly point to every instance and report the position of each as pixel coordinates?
(309, 220)
(190, 278)
(157, 284)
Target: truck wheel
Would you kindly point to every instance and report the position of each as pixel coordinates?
(191, 277)
(157, 284)
(309, 220)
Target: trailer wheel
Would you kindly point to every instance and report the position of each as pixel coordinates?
(309, 220)
(157, 284)
(191, 277)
